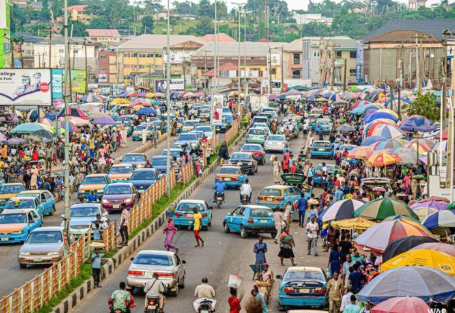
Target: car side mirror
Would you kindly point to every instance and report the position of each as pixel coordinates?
(183, 262)
(132, 259)
(279, 277)
(210, 208)
(62, 216)
(230, 213)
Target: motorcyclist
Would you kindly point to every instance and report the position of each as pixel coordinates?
(220, 187)
(154, 288)
(204, 293)
(92, 197)
(121, 300)
(246, 189)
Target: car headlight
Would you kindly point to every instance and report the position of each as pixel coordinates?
(53, 253)
(100, 190)
(139, 166)
(24, 253)
(128, 200)
(104, 201)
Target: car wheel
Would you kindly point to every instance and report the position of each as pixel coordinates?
(257, 168)
(175, 292)
(210, 223)
(226, 228)
(282, 308)
(243, 233)
(182, 282)
(273, 234)
(251, 173)
(22, 266)
(52, 211)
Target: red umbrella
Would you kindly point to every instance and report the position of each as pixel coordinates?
(402, 304)
(445, 135)
(133, 94)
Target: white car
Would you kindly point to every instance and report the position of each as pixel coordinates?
(82, 216)
(207, 130)
(275, 143)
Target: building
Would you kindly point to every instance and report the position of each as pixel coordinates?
(104, 36)
(142, 58)
(303, 19)
(413, 5)
(108, 68)
(393, 48)
(77, 13)
(5, 45)
(221, 37)
(163, 15)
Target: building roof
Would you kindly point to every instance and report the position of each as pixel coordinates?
(263, 40)
(225, 67)
(231, 49)
(341, 43)
(103, 33)
(148, 42)
(77, 8)
(222, 37)
(430, 27)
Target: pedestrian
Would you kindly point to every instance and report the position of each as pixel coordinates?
(144, 135)
(197, 220)
(346, 300)
(276, 169)
(124, 219)
(260, 249)
(155, 137)
(34, 178)
(234, 302)
(96, 266)
(286, 245)
(335, 291)
(310, 174)
(332, 236)
(278, 219)
(255, 293)
(353, 307)
(170, 231)
(312, 231)
(356, 279)
(349, 263)
(302, 204)
(334, 259)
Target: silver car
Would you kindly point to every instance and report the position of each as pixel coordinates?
(44, 245)
(168, 266)
(82, 216)
(275, 143)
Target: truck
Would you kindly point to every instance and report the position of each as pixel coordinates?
(257, 102)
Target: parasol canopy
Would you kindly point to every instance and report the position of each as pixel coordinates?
(423, 213)
(380, 209)
(391, 144)
(361, 152)
(407, 155)
(353, 223)
(430, 204)
(381, 158)
(443, 218)
(373, 139)
(340, 210)
(437, 246)
(27, 128)
(388, 131)
(106, 120)
(404, 244)
(402, 304)
(417, 123)
(15, 141)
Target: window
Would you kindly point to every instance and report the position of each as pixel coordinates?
(158, 55)
(295, 73)
(296, 58)
(103, 56)
(133, 55)
(352, 72)
(353, 54)
(102, 68)
(338, 54)
(316, 53)
(273, 71)
(126, 55)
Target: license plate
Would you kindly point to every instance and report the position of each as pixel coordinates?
(274, 143)
(269, 199)
(264, 221)
(116, 206)
(5, 239)
(304, 290)
(321, 149)
(227, 179)
(151, 307)
(190, 215)
(140, 191)
(37, 260)
(204, 311)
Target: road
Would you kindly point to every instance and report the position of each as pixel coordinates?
(13, 275)
(223, 253)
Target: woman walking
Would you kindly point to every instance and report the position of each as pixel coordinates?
(260, 248)
(286, 245)
(170, 231)
(334, 260)
(276, 169)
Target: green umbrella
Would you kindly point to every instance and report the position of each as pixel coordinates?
(451, 206)
(27, 128)
(382, 208)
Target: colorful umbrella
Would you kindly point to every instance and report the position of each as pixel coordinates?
(443, 218)
(419, 146)
(381, 158)
(411, 281)
(388, 131)
(378, 115)
(106, 120)
(425, 257)
(380, 209)
(341, 210)
(74, 112)
(150, 95)
(391, 144)
(361, 152)
(159, 95)
(404, 244)
(90, 98)
(373, 139)
(402, 304)
(437, 246)
(369, 128)
(146, 111)
(77, 121)
(15, 141)
(417, 123)
(435, 198)
(443, 136)
(27, 128)
(451, 206)
(379, 236)
(353, 223)
(407, 155)
(440, 146)
(430, 204)
(423, 213)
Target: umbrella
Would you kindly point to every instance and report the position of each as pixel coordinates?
(444, 135)
(443, 218)
(380, 158)
(369, 128)
(353, 223)
(77, 121)
(440, 146)
(381, 235)
(402, 304)
(90, 98)
(15, 141)
(346, 128)
(387, 131)
(361, 152)
(407, 155)
(26, 128)
(437, 246)
(413, 281)
(94, 114)
(430, 204)
(378, 115)
(417, 123)
(42, 134)
(150, 95)
(133, 94)
(272, 97)
(341, 210)
(419, 145)
(145, 111)
(391, 144)
(404, 244)
(423, 213)
(380, 209)
(159, 95)
(3, 138)
(293, 93)
(141, 94)
(373, 139)
(75, 112)
(451, 206)
(435, 198)
(106, 120)
(424, 257)
(340, 102)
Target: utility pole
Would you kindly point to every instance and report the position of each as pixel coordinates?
(239, 71)
(345, 81)
(418, 79)
(244, 60)
(168, 103)
(282, 69)
(11, 49)
(215, 42)
(50, 47)
(269, 70)
(86, 66)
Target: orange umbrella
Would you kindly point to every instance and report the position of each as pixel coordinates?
(382, 158)
(361, 152)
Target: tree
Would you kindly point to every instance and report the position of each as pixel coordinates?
(205, 9)
(99, 23)
(147, 24)
(204, 26)
(425, 105)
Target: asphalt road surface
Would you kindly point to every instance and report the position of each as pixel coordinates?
(223, 253)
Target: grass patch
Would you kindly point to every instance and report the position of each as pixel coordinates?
(86, 273)
(111, 253)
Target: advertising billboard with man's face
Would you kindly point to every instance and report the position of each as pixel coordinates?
(25, 87)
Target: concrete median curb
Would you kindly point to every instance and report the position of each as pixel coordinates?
(67, 304)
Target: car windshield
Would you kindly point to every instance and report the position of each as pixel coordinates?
(261, 213)
(174, 153)
(205, 129)
(188, 207)
(251, 148)
(313, 116)
(261, 119)
(143, 175)
(159, 162)
(118, 190)
(139, 127)
(322, 144)
(270, 192)
(120, 170)
(45, 237)
(325, 122)
(20, 204)
(191, 123)
(228, 170)
(240, 156)
(185, 137)
(204, 111)
(11, 189)
(256, 131)
(134, 158)
(304, 276)
(227, 118)
(153, 259)
(28, 195)
(88, 211)
(20, 218)
(275, 138)
(94, 180)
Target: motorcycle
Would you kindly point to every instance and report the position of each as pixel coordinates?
(206, 307)
(219, 199)
(245, 199)
(152, 305)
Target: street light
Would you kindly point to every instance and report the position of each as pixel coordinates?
(168, 106)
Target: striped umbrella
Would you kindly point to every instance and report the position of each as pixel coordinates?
(361, 152)
(341, 210)
(381, 158)
(379, 236)
(437, 246)
(380, 209)
(451, 206)
(391, 144)
(388, 131)
(423, 213)
(420, 145)
(431, 204)
(407, 155)
(443, 218)
(404, 244)
(373, 139)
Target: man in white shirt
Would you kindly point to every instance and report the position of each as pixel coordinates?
(346, 300)
(312, 230)
(204, 292)
(246, 189)
(154, 288)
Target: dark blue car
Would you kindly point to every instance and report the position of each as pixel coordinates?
(143, 178)
(160, 163)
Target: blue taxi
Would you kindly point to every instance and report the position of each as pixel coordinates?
(321, 149)
(231, 175)
(25, 203)
(44, 197)
(302, 286)
(15, 225)
(279, 196)
(250, 219)
(183, 214)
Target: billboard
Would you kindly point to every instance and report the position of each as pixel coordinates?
(102, 78)
(176, 85)
(25, 87)
(217, 109)
(57, 84)
(3, 14)
(275, 59)
(78, 81)
(175, 58)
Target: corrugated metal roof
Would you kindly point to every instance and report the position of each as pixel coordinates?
(148, 42)
(231, 49)
(103, 32)
(341, 43)
(222, 37)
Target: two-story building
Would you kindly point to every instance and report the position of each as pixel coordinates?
(103, 36)
(77, 13)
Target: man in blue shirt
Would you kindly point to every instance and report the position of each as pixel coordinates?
(220, 187)
(339, 195)
(302, 204)
(92, 197)
(356, 279)
(96, 266)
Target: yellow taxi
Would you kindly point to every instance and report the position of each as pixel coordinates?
(121, 173)
(95, 182)
(8, 191)
(231, 175)
(279, 196)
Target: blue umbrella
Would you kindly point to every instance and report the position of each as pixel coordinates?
(15, 141)
(145, 111)
(378, 115)
(410, 281)
(26, 128)
(90, 98)
(418, 123)
(327, 95)
(443, 218)
(311, 99)
(105, 120)
(373, 139)
(50, 116)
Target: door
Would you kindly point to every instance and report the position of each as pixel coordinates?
(47, 206)
(237, 219)
(231, 217)
(180, 268)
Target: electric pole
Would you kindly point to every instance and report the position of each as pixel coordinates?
(282, 69)
(345, 81)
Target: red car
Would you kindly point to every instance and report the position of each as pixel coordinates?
(257, 151)
(118, 195)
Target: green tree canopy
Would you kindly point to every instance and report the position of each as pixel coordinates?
(425, 105)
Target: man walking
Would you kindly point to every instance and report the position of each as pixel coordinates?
(155, 137)
(335, 291)
(302, 204)
(124, 225)
(96, 267)
(312, 230)
(197, 217)
(278, 219)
